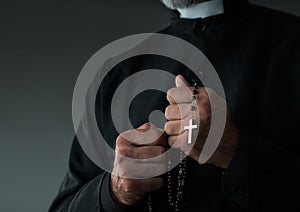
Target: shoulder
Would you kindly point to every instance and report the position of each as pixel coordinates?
(278, 22)
(277, 32)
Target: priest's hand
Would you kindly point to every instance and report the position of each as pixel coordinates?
(178, 114)
(129, 184)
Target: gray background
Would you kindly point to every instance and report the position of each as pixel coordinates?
(44, 45)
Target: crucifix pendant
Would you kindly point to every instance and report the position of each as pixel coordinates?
(190, 127)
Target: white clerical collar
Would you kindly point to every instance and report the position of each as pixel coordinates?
(202, 10)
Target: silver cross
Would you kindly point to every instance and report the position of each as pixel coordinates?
(190, 128)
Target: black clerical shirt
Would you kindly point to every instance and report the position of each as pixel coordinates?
(256, 53)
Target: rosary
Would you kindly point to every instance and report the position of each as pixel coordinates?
(175, 195)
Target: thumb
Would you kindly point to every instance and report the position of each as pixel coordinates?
(180, 81)
(145, 126)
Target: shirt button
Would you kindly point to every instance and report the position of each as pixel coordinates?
(198, 25)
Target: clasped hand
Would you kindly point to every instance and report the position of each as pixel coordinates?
(130, 144)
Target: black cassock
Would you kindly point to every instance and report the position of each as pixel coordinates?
(256, 53)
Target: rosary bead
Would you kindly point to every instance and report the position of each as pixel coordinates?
(175, 199)
(193, 108)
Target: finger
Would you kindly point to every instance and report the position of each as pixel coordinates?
(179, 95)
(180, 142)
(152, 138)
(181, 82)
(147, 134)
(161, 141)
(176, 127)
(145, 126)
(141, 186)
(175, 141)
(141, 170)
(144, 152)
(177, 111)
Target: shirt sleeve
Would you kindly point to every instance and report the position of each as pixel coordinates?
(262, 176)
(85, 186)
(107, 201)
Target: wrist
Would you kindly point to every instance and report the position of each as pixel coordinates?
(120, 196)
(226, 150)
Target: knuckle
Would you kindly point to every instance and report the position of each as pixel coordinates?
(167, 127)
(121, 151)
(128, 187)
(168, 112)
(202, 90)
(161, 149)
(170, 92)
(119, 140)
(205, 114)
(131, 153)
(204, 99)
(171, 128)
(120, 148)
(127, 152)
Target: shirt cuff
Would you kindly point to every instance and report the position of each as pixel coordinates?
(109, 204)
(106, 199)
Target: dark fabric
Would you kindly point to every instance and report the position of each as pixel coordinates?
(256, 54)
